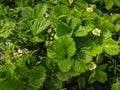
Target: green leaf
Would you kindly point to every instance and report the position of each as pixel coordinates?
(81, 4)
(21, 70)
(108, 26)
(63, 47)
(102, 67)
(61, 10)
(53, 84)
(65, 65)
(92, 77)
(37, 39)
(81, 81)
(40, 9)
(98, 75)
(40, 25)
(96, 49)
(117, 2)
(83, 30)
(115, 17)
(79, 66)
(63, 76)
(117, 27)
(36, 77)
(28, 13)
(11, 84)
(85, 55)
(109, 4)
(116, 86)
(101, 76)
(94, 1)
(111, 47)
(62, 29)
(75, 22)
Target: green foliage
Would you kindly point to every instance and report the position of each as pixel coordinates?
(109, 4)
(111, 47)
(65, 65)
(59, 44)
(63, 47)
(39, 25)
(36, 77)
(53, 84)
(116, 86)
(98, 75)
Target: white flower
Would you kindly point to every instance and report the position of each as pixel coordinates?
(92, 66)
(71, 1)
(96, 32)
(89, 9)
(19, 51)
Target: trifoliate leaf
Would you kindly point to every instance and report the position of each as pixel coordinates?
(111, 47)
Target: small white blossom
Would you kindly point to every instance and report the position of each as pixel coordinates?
(19, 51)
(92, 66)
(96, 32)
(71, 1)
(89, 9)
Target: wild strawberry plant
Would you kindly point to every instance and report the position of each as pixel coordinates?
(59, 44)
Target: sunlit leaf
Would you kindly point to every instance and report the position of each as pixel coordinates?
(40, 25)
(109, 4)
(65, 65)
(111, 47)
(63, 47)
(83, 30)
